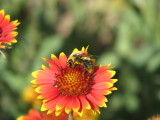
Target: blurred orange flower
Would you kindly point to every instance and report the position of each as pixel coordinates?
(30, 96)
(87, 115)
(7, 28)
(156, 117)
(34, 115)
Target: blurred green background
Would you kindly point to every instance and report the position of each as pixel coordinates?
(123, 32)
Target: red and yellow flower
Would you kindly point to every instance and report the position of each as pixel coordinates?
(35, 115)
(66, 88)
(7, 28)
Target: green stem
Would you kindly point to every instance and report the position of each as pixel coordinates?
(70, 117)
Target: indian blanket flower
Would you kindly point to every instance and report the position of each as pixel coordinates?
(7, 28)
(72, 88)
(35, 115)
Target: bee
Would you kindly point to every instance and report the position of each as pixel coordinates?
(80, 58)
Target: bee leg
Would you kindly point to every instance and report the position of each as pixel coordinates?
(70, 62)
(84, 70)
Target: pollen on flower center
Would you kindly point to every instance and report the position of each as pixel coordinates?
(74, 81)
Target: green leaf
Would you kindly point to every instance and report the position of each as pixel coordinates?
(51, 45)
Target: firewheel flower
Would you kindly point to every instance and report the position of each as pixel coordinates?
(35, 115)
(72, 88)
(7, 28)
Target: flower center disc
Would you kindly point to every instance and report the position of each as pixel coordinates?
(74, 81)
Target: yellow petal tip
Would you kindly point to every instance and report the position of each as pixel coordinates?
(43, 108)
(33, 81)
(114, 80)
(35, 74)
(40, 97)
(112, 73)
(58, 108)
(67, 111)
(49, 111)
(43, 67)
(20, 118)
(75, 50)
(2, 11)
(53, 56)
(38, 89)
(7, 17)
(62, 54)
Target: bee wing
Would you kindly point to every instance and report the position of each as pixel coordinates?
(86, 55)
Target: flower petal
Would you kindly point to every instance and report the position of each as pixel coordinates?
(51, 104)
(102, 85)
(84, 103)
(44, 77)
(63, 60)
(48, 92)
(71, 104)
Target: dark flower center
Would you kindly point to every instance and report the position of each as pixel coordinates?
(74, 81)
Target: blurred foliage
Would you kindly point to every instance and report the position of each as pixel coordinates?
(123, 32)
